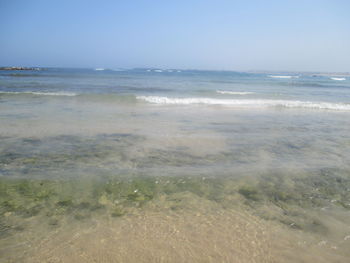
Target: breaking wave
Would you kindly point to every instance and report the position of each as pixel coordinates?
(247, 103)
(338, 78)
(283, 77)
(234, 92)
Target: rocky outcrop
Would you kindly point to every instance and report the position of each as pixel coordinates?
(18, 68)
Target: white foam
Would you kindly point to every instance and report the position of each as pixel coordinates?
(99, 69)
(234, 92)
(340, 79)
(70, 94)
(283, 77)
(158, 70)
(246, 103)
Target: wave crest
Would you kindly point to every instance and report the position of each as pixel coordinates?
(283, 77)
(247, 103)
(234, 92)
(338, 79)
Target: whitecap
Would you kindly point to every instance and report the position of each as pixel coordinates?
(246, 103)
(283, 77)
(234, 92)
(340, 79)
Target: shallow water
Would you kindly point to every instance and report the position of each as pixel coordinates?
(89, 172)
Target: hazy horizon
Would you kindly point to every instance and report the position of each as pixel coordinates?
(232, 36)
(182, 69)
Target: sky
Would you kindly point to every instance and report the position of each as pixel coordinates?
(278, 35)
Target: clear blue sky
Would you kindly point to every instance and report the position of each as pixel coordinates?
(202, 34)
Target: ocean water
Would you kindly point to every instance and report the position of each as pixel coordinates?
(156, 165)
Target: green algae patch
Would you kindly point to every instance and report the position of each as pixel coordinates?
(249, 192)
(295, 201)
(52, 156)
(118, 211)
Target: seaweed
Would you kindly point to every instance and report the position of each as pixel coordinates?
(249, 192)
(117, 211)
(291, 199)
(65, 203)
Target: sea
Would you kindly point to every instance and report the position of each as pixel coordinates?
(173, 165)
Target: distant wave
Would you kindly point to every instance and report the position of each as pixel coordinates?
(247, 103)
(234, 92)
(99, 69)
(161, 70)
(70, 94)
(283, 77)
(338, 78)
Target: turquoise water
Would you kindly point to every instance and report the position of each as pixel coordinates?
(180, 83)
(85, 151)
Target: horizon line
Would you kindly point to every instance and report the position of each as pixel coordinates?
(183, 69)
